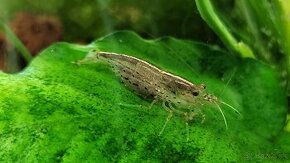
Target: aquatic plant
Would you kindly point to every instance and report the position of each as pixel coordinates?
(57, 111)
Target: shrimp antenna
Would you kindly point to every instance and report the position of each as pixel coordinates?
(228, 82)
(225, 120)
(231, 107)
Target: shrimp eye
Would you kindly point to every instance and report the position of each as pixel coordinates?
(195, 93)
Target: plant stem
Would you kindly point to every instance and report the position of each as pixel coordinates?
(17, 43)
(208, 13)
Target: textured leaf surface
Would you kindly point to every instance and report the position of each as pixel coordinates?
(57, 111)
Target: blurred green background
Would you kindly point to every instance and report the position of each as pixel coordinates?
(88, 20)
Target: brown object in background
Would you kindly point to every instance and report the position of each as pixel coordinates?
(36, 32)
(2, 51)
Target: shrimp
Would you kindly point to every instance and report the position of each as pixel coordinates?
(178, 95)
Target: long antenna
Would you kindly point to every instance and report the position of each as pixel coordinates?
(225, 120)
(228, 82)
(231, 107)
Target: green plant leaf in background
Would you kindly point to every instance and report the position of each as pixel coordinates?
(209, 14)
(55, 110)
(262, 25)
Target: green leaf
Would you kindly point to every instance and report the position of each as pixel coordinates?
(263, 26)
(209, 14)
(58, 111)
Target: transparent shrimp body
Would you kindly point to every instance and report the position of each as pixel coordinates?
(178, 95)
